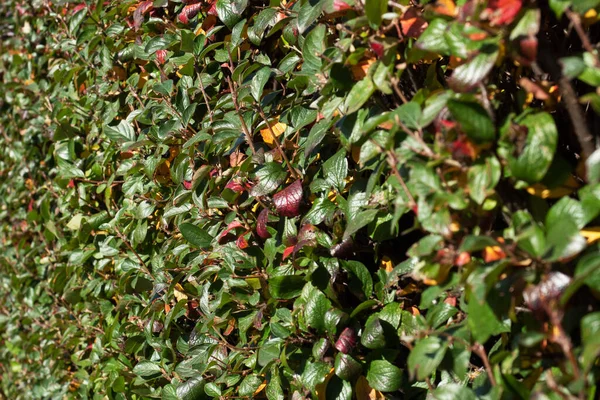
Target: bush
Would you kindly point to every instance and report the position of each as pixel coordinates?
(331, 199)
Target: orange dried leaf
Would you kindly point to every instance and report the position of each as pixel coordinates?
(445, 7)
(386, 264)
(275, 127)
(365, 392)
(493, 253)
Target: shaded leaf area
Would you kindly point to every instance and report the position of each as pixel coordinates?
(327, 199)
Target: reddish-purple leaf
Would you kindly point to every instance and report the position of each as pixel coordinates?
(188, 12)
(261, 224)
(235, 186)
(346, 341)
(232, 225)
(161, 56)
(306, 237)
(287, 202)
(241, 242)
(138, 14)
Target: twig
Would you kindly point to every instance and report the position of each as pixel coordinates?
(480, 351)
(285, 158)
(585, 41)
(210, 115)
(393, 162)
(239, 113)
(142, 263)
(568, 95)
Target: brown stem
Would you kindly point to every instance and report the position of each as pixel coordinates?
(480, 351)
(285, 158)
(585, 41)
(239, 113)
(210, 115)
(142, 263)
(549, 62)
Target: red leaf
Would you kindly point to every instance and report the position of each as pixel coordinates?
(502, 12)
(528, 49)
(232, 225)
(340, 5)
(346, 341)
(160, 56)
(189, 12)
(462, 259)
(213, 8)
(71, 184)
(287, 201)
(261, 224)
(306, 237)
(412, 23)
(138, 14)
(377, 48)
(187, 185)
(241, 242)
(288, 250)
(235, 186)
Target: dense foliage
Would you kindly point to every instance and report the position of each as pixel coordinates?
(327, 199)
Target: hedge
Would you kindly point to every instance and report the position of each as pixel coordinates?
(326, 199)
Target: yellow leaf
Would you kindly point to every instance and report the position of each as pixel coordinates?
(387, 264)
(178, 292)
(568, 187)
(366, 392)
(321, 388)
(260, 388)
(277, 127)
(592, 234)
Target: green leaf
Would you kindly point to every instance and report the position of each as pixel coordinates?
(473, 120)
(77, 19)
(286, 286)
(426, 356)
(259, 81)
(195, 235)
(346, 367)
(269, 177)
(374, 335)
(147, 369)
(192, 389)
(453, 391)
(314, 374)
(374, 10)
(433, 38)
(542, 138)
(313, 48)
(121, 133)
(384, 376)
(482, 321)
(335, 170)
(360, 277)
(274, 390)
(359, 95)
(359, 221)
(308, 14)
(483, 178)
(230, 11)
(249, 385)
(315, 308)
(466, 76)
(212, 390)
(593, 167)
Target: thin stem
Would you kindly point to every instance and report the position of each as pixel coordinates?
(285, 158)
(241, 117)
(480, 351)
